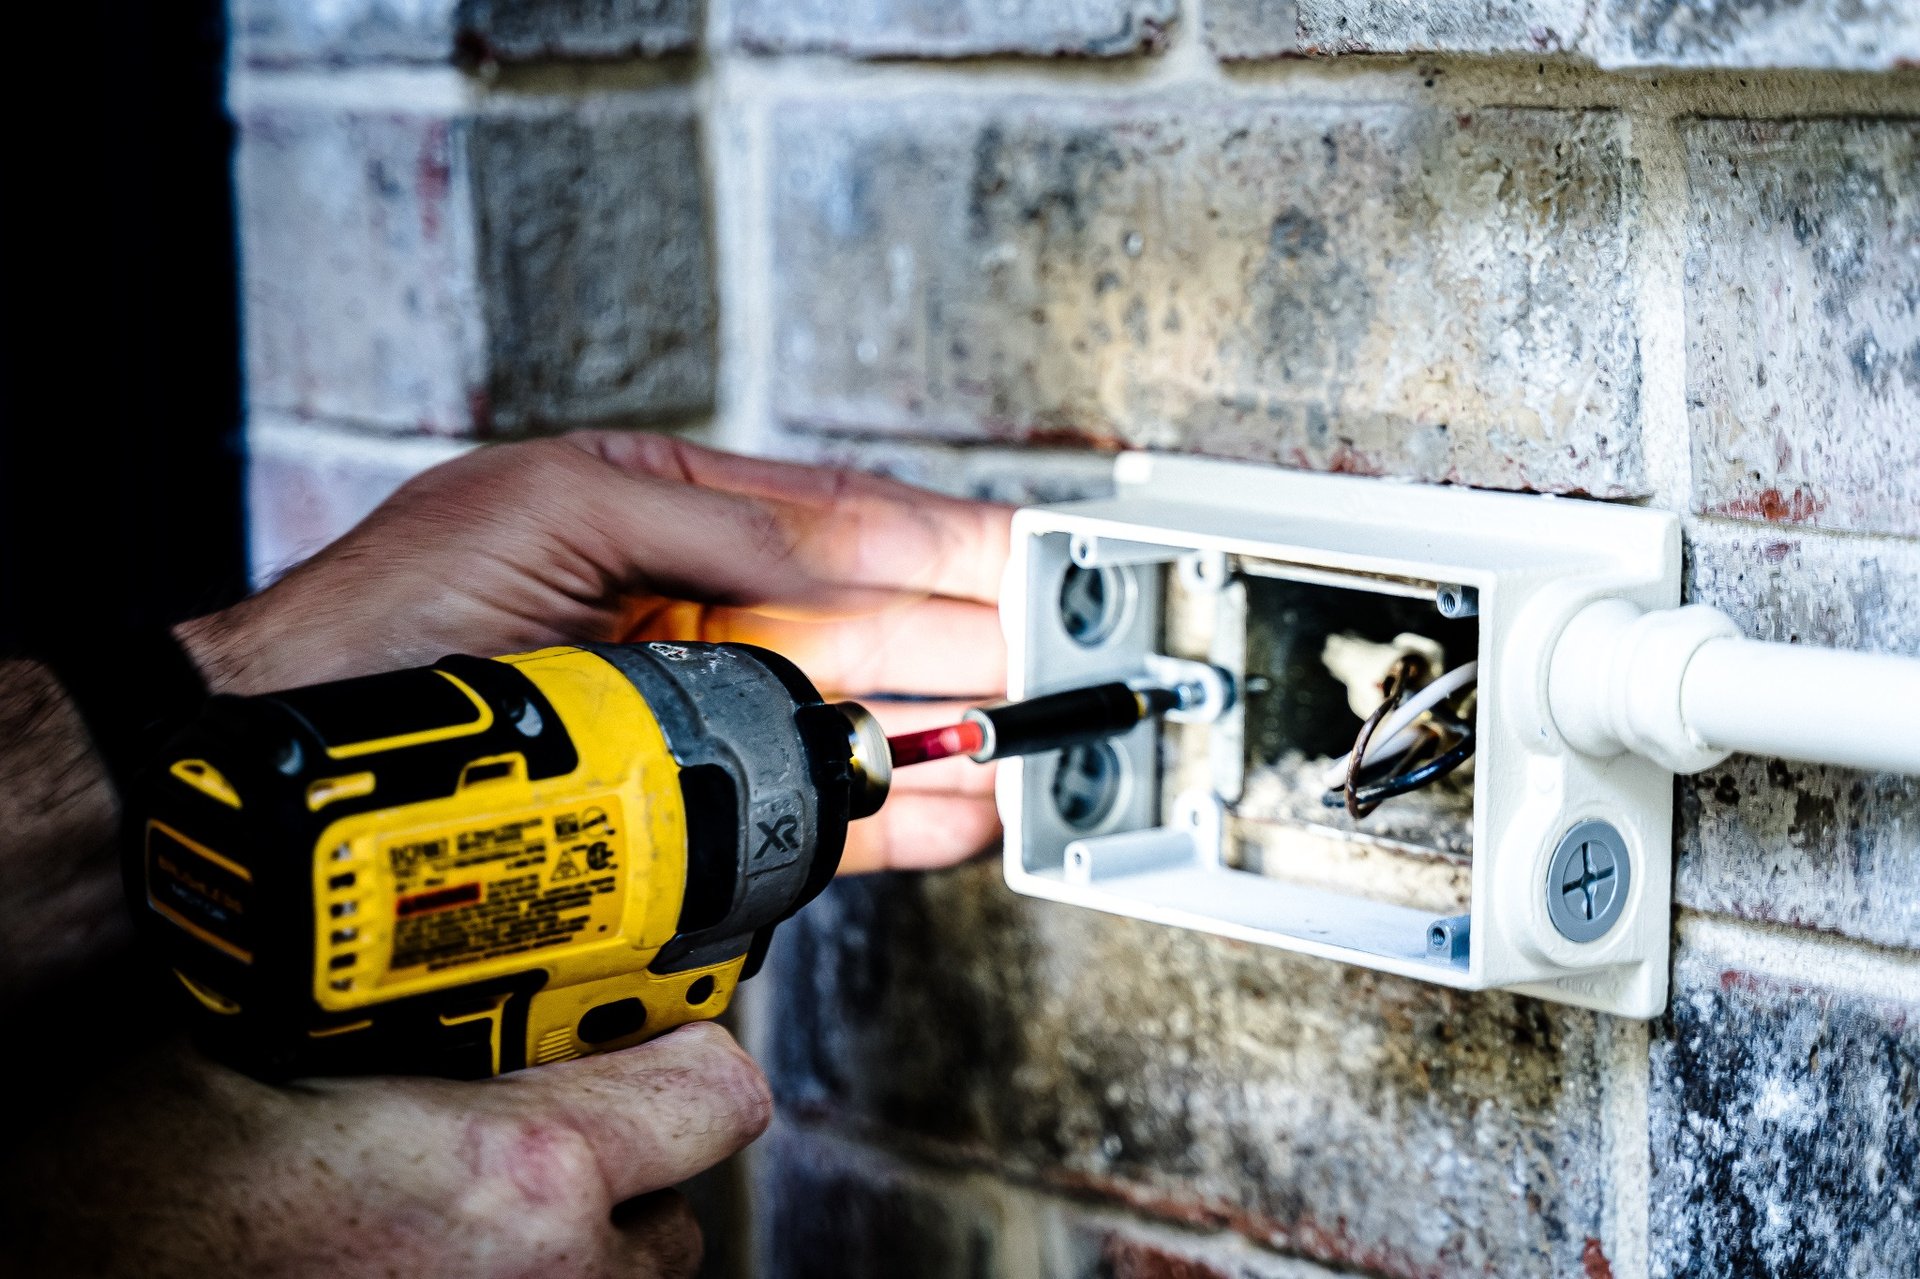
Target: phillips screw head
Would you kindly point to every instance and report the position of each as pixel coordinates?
(1588, 878)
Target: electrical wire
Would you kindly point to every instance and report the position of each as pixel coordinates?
(1397, 732)
(1406, 668)
(1367, 798)
(1396, 735)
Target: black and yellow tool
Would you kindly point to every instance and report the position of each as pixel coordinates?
(488, 864)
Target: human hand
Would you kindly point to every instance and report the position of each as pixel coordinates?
(179, 1167)
(866, 584)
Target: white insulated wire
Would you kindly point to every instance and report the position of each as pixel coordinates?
(1397, 734)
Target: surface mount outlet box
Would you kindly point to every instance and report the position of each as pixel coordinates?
(1086, 600)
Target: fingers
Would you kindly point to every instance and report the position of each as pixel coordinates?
(654, 1115)
(668, 457)
(934, 647)
(921, 832)
(656, 1237)
(850, 528)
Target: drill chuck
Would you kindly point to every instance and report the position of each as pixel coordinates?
(870, 760)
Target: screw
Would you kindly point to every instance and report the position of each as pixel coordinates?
(1587, 881)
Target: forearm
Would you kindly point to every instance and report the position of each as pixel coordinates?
(60, 908)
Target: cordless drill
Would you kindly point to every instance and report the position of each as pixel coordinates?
(487, 864)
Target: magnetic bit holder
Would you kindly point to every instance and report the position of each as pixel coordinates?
(1595, 688)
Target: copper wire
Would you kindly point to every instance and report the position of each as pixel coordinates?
(1407, 670)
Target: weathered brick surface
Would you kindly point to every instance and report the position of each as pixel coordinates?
(1852, 35)
(1238, 29)
(831, 1210)
(1803, 320)
(291, 31)
(543, 263)
(1785, 1130)
(594, 263)
(1473, 26)
(962, 28)
(1098, 1246)
(1799, 844)
(1014, 476)
(306, 485)
(1372, 288)
(841, 1209)
(358, 264)
(1355, 1118)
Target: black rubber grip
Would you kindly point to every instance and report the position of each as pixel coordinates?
(1066, 719)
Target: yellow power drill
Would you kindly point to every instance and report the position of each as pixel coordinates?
(487, 864)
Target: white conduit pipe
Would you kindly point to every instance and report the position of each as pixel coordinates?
(1823, 705)
(1684, 688)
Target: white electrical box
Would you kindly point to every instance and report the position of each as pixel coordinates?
(1536, 868)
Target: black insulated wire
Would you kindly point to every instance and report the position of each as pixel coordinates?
(1404, 678)
(1371, 796)
(1406, 671)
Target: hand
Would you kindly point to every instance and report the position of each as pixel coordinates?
(867, 585)
(179, 1167)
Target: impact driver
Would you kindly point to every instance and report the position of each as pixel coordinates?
(488, 864)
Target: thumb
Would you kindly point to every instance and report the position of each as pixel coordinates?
(656, 1114)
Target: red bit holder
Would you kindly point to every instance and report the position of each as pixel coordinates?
(928, 744)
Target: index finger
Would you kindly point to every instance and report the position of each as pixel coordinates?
(885, 530)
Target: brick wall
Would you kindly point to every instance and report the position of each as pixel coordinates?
(1612, 248)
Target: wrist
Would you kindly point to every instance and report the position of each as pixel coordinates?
(230, 655)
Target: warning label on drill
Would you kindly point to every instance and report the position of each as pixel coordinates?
(199, 890)
(469, 894)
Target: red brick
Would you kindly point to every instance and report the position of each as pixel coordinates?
(1356, 1119)
(1785, 1128)
(1803, 321)
(956, 28)
(1372, 288)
